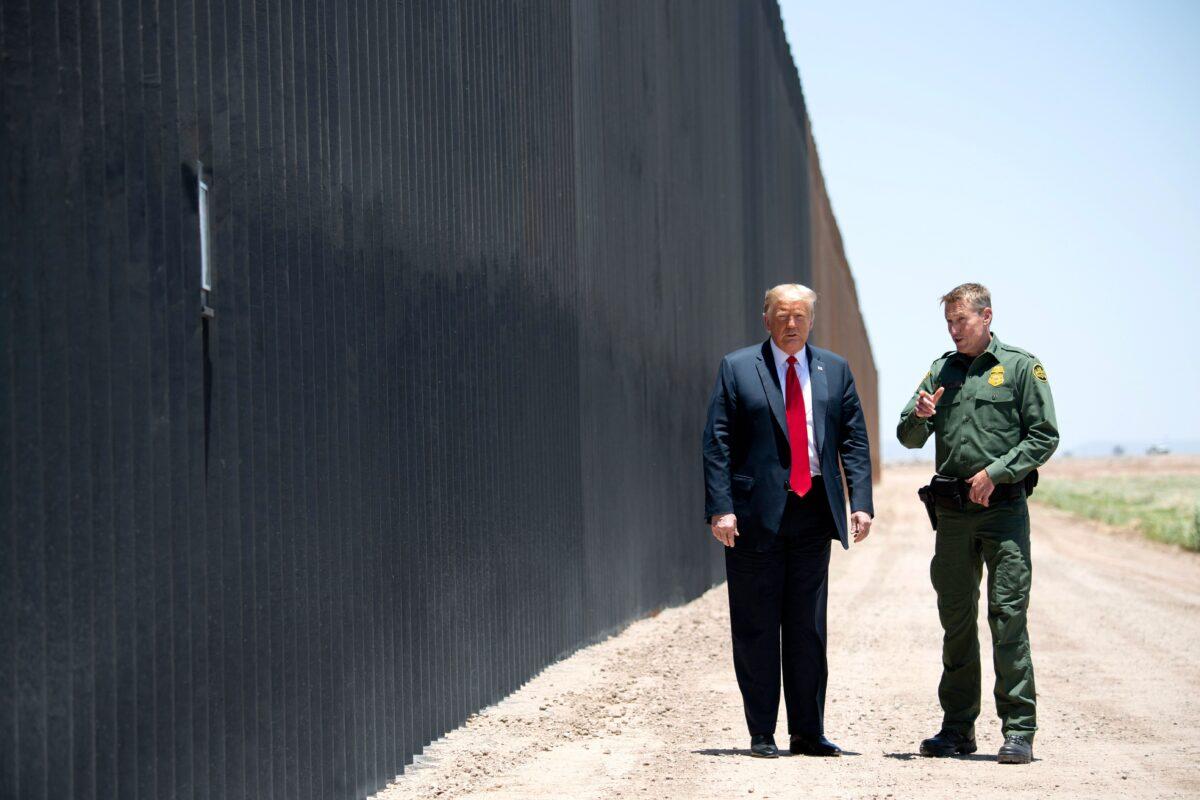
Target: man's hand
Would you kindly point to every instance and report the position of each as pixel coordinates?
(724, 527)
(927, 403)
(981, 488)
(860, 524)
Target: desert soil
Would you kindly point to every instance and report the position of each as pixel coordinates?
(654, 712)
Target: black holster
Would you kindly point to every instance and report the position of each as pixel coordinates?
(941, 491)
(926, 496)
(1031, 480)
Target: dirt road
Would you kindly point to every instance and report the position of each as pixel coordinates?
(655, 711)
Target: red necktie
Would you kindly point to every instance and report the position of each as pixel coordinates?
(801, 476)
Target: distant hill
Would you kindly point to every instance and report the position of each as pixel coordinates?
(893, 451)
(1130, 448)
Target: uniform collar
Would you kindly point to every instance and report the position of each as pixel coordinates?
(993, 349)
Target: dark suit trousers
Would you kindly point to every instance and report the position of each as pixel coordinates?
(779, 591)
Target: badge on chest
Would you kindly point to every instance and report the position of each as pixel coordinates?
(996, 377)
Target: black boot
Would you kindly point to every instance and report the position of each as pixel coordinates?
(948, 743)
(1015, 750)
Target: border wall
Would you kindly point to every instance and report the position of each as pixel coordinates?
(473, 265)
(839, 325)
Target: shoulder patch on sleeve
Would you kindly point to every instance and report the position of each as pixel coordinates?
(1039, 372)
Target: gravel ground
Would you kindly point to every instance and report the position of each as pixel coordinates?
(654, 712)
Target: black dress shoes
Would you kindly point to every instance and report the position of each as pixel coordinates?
(762, 745)
(948, 743)
(815, 745)
(1015, 750)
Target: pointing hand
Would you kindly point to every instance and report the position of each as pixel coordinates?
(927, 403)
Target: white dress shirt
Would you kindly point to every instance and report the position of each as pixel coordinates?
(781, 368)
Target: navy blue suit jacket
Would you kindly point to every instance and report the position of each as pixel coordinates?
(746, 451)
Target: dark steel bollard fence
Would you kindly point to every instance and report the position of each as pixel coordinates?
(437, 422)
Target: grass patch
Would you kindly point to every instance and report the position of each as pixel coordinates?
(1162, 507)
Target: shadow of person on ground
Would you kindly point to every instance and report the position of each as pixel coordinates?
(736, 751)
(968, 757)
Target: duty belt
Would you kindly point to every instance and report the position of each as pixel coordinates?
(953, 493)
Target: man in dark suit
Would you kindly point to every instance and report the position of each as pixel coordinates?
(781, 415)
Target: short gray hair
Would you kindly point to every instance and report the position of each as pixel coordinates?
(773, 294)
(976, 294)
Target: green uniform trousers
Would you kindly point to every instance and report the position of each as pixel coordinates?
(966, 540)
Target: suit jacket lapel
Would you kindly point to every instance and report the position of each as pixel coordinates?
(820, 396)
(770, 382)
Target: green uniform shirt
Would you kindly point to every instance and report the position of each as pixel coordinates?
(996, 413)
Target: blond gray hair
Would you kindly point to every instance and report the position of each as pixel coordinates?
(775, 292)
(974, 294)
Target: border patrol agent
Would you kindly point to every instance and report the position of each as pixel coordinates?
(989, 407)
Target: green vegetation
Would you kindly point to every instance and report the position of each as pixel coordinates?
(1162, 507)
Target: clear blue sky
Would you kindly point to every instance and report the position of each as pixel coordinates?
(1049, 150)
